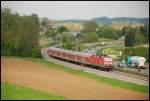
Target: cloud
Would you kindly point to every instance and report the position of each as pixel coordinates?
(80, 9)
(74, 3)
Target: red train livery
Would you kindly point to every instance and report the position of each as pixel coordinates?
(86, 58)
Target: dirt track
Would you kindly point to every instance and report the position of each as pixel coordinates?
(29, 74)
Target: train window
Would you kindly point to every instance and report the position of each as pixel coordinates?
(78, 57)
(64, 54)
(61, 54)
(50, 52)
(72, 56)
(86, 59)
(55, 53)
(69, 55)
(58, 53)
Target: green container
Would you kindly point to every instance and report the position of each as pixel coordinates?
(129, 59)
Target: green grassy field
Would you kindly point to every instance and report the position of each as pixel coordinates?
(15, 92)
(110, 81)
(45, 42)
(99, 43)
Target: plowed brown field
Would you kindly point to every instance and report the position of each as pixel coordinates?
(30, 74)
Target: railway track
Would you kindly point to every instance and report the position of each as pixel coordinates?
(130, 77)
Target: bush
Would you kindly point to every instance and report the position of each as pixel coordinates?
(90, 26)
(19, 34)
(137, 51)
(68, 41)
(36, 53)
(90, 37)
(107, 32)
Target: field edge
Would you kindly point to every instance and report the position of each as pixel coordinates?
(11, 91)
(102, 79)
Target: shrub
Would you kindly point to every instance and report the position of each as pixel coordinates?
(90, 37)
(137, 51)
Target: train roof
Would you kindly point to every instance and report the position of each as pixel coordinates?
(72, 52)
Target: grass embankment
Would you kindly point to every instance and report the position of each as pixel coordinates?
(99, 43)
(45, 42)
(15, 92)
(93, 44)
(110, 81)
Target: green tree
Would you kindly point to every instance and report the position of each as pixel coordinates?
(107, 32)
(50, 32)
(129, 36)
(45, 22)
(61, 29)
(68, 41)
(19, 34)
(90, 26)
(139, 38)
(90, 37)
(144, 30)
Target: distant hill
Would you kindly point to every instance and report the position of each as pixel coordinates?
(106, 20)
(103, 20)
(74, 20)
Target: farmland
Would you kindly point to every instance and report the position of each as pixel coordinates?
(15, 92)
(74, 51)
(56, 73)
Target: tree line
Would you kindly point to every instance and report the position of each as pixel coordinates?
(92, 32)
(133, 36)
(19, 34)
(136, 36)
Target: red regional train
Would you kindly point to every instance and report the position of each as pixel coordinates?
(102, 62)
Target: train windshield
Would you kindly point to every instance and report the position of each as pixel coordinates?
(108, 59)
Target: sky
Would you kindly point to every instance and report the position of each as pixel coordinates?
(63, 10)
